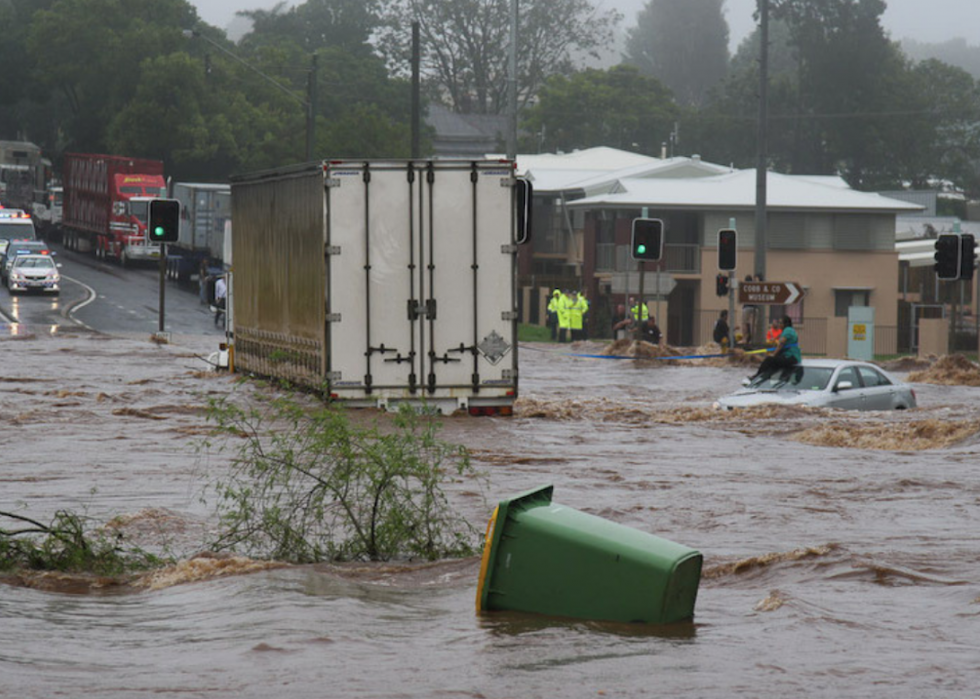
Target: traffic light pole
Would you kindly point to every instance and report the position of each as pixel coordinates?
(638, 332)
(731, 310)
(163, 285)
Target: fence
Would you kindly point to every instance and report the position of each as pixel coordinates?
(812, 331)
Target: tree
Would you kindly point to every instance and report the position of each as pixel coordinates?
(842, 112)
(114, 37)
(618, 108)
(682, 43)
(306, 484)
(317, 24)
(938, 139)
(464, 45)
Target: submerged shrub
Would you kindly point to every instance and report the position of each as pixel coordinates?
(306, 485)
(66, 546)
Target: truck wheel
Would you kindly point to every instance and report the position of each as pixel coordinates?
(123, 258)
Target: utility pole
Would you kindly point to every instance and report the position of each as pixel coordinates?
(762, 157)
(416, 91)
(311, 110)
(512, 85)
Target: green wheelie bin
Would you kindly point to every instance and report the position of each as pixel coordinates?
(550, 559)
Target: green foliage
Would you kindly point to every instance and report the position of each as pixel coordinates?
(119, 76)
(533, 333)
(681, 43)
(66, 547)
(618, 108)
(306, 485)
(316, 24)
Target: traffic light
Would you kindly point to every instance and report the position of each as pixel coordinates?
(968, 256)
(164, 221)
(721, 285)
(727, 249)
(948, 256)
(647, 239)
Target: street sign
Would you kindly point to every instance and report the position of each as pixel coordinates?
(771, 293)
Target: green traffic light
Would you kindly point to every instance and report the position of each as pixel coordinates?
(641, 248)
(158, 231)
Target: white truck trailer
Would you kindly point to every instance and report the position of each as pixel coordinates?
(204, 210)
(381, 282)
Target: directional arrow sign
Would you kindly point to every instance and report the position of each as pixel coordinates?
(772, 293)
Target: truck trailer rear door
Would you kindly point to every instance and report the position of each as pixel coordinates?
(420, 282)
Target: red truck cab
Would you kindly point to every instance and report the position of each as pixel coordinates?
(107, 201)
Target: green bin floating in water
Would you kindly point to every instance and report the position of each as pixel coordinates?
(550, 559)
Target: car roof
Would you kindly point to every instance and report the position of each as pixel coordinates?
(835, 363)
(33, 256)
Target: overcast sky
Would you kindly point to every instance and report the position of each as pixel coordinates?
(929, 21)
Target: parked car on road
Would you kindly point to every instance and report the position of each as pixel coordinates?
(34, 272)
(825, 383)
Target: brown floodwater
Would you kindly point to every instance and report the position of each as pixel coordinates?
(841, 549)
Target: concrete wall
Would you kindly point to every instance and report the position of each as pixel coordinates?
(819, 272)
(836, 338)
(933, 336)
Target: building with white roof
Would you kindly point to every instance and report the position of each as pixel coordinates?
(838, 243)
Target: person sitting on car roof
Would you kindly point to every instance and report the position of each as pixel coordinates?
(787, 353)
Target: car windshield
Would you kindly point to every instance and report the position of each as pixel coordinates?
(34, 262)
(798, 378)
(140, 209)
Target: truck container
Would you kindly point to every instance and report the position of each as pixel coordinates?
(204, 211)
(23, 174)
(47, 212)
(380, 282)
(106, 205)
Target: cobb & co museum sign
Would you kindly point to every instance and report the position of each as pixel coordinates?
(774, 293)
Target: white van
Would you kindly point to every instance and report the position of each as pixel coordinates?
(15, 225)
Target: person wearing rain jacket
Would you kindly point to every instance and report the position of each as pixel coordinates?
(553, 312)
(576, 313)
(639, 309)
(564, 318)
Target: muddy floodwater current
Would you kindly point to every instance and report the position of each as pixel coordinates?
(841, 550)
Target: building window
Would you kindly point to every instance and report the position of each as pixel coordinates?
(845, 298)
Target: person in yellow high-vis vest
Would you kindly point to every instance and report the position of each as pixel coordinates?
(553, 313)
(638, 310)
(576, 314)
(564, 318)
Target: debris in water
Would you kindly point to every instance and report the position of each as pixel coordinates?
(914, 436)
(640, 350)
(949, 370)
(133, 412)
(203, 567)
(765, 560)
(774, 601)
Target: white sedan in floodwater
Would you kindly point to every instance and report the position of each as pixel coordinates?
(825, 383)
